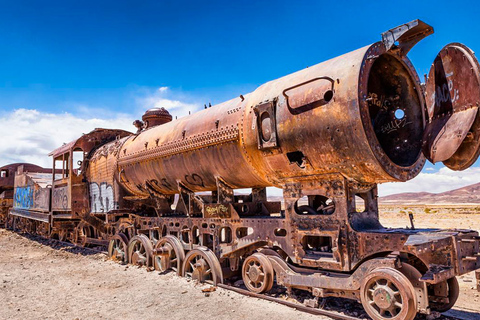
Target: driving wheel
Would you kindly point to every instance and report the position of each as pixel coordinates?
(444, 295)
(387, 294)
(140, 251)
(170, 255)
(202, 265)
(257, 273)
(117, 248)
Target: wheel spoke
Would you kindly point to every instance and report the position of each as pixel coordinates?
(393, 311)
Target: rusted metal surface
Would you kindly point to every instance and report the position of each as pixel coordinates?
(477, 276)
(453, 99)
(165, 196)
(25, 196)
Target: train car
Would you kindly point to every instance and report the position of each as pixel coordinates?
(168, 196)
(7, 181)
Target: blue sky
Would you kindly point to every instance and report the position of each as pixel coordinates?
(97, 52)
(107, 59)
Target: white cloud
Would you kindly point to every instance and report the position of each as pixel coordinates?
(28, 135)
(177, 103)
(440, 181)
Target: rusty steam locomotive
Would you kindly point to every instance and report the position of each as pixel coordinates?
(327, 135)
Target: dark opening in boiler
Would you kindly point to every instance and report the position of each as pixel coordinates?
(395, 110)
(328, 95)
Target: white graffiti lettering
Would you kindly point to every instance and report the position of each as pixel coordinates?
(101, 197)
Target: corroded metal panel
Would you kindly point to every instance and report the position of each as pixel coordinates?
(61, 198)
(453, 99)
(31, 192)
(104, 193)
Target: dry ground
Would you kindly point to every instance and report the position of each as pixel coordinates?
(46, 280)
(40, 282)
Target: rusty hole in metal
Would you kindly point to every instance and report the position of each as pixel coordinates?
(207, 240)
(360, 204)
(243, 232)
(155, 234)
(185, 237)
(314, 205)
(328, 95)
(317, 245)
(280, 232)
(195, 235)
(225, 235)
(164, 231)
(399, 114)
(297, 157)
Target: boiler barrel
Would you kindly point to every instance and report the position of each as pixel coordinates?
(360, 115)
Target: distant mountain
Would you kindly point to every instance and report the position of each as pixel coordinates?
(466, 195)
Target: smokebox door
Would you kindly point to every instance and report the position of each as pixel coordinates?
(452, 133)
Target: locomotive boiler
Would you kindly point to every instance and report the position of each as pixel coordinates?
(165, 197)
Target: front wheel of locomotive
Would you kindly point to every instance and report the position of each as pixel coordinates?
(257, 273)
(387, 294)
(140, 251)
(169, 255)
(444, 295)
(117, 248)
(202, 265)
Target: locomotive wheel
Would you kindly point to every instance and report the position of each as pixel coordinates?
(202, 265)
(257, 273)
(140, 251)
(82, 232)
(29, 226)
(117, 248)
(173, 256)
(453, 290)
(387, 294)
(9, 223)
(43, 229)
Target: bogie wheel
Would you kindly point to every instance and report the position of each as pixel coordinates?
(257, 273)
(387, 294)
(202, 265)
(117, 248)
(447, 289)
(172, 255)
(81, 234)
(140, 251)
